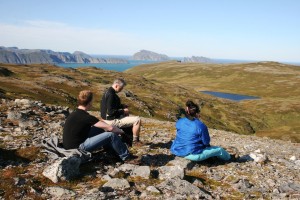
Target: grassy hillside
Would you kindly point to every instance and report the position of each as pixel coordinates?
(148, 98)
(277, 84)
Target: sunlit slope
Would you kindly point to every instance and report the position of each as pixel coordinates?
(277, 84)
(148, 98)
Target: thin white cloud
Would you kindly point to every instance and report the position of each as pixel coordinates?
(61, 37)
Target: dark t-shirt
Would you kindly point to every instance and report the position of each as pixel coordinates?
(77, 127)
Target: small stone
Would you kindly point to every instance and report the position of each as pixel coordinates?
(14, 115)
(271, 182)
(18, 129)
(8, 138)
(259, 158)
(153, 190)
(106, 177)
(257, 151)
(293, 158)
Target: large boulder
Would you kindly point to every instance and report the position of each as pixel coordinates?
(63, 169)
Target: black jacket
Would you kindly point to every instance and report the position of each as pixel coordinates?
(111, 107)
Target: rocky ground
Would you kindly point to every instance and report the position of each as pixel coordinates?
(266, 168)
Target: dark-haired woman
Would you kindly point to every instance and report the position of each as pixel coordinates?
(192, 138)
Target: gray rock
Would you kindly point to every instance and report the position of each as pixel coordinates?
(289, 187)
(182, 162)
(243, 184)
(292, 158)
(127, 167)
(23, 102)
(92, 194)
(8, 138)
(106, 177)
(181, 189)
(55, 125)
(113, 172)
(259, 158)
(28, 123)
(152, 190)
(15, 115)
(169, 172)
(63, 169)
(59, 193)
(116, 184)
(141, 171)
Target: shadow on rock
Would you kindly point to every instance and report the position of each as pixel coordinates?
(11, 157)
(157, 160)
(161, 145)
(214, 161)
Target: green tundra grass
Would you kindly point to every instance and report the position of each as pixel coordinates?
(277, 84)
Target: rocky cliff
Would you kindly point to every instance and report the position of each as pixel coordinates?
(265, 168)
(149, 55)
(30, 56)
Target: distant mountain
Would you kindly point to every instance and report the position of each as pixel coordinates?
(149, 55)
(31, 56)
(197, 59)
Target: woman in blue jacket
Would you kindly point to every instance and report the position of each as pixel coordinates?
(192, 138)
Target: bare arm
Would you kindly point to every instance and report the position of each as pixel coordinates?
(107, 127)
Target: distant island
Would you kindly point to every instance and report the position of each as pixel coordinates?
(197, 59)
(44, 56)
(149, 55)
(32, 56)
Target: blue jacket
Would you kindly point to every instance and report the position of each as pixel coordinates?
(191, 138)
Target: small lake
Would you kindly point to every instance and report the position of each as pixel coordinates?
(230, 96)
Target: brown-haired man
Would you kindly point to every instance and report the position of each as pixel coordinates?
(84, 131)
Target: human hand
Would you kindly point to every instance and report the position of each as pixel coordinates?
(126, 111)
(117, 130)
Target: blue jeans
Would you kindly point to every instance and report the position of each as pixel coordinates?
(209, 152)
(98, 139)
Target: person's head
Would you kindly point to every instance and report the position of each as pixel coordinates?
(85, 98)
(119, 84)
(192, 109)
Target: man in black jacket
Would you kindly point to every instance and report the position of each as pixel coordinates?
(117, 114)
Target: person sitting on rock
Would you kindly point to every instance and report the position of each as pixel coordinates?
(192, 138)
(86, 132)
(114, 113)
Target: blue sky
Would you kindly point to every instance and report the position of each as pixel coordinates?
(262, 30)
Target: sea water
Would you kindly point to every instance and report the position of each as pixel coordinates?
(120, 67)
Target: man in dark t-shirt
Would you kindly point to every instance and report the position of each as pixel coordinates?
(84, 131)
(77, 128)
